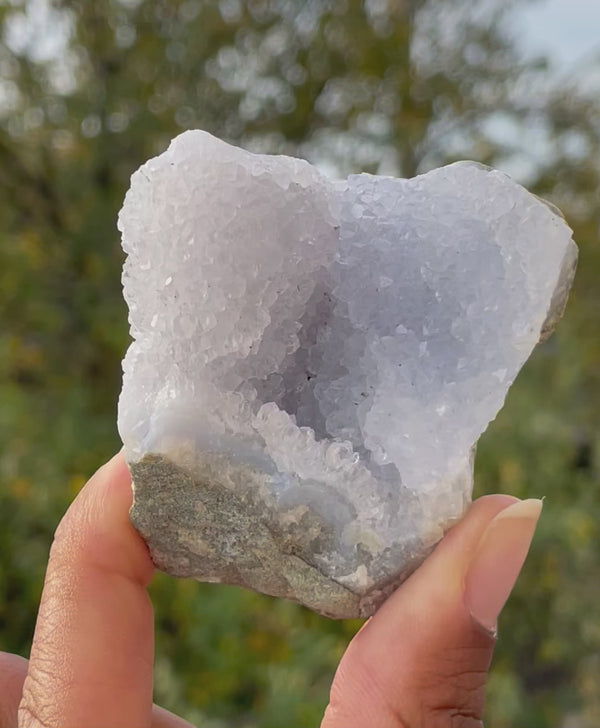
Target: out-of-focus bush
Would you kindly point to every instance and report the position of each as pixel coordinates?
(87, 92)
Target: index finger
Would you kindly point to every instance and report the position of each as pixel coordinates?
(92, 653)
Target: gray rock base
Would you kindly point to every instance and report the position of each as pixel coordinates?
(201, 528)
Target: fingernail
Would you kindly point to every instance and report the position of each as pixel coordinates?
(498, 560)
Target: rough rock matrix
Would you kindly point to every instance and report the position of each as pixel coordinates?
(313, 361)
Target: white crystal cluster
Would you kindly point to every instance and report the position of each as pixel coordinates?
(348, 340)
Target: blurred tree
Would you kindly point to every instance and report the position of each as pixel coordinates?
(87, 92)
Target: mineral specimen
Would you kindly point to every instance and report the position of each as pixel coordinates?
(313, 361)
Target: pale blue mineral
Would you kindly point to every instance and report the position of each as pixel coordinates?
(313, 361)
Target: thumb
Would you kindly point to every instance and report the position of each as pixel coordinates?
(422, 660)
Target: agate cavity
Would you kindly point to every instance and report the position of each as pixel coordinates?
(313, 361)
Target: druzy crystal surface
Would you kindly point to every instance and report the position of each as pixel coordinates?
(313, 361)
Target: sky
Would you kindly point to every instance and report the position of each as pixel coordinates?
(567, 30)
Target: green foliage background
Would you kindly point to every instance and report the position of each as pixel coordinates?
(88, 91)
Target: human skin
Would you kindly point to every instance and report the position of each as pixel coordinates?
(420, 662)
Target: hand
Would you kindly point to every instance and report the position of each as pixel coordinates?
(420, 662)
